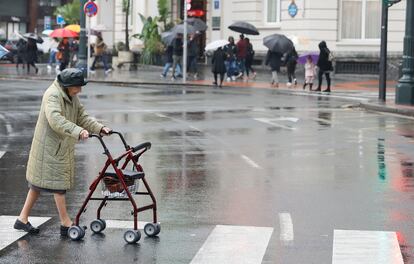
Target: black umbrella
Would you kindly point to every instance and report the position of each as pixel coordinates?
(278, 43)
(33, 36)
(198, 24)
(168, 37)
(244, 27)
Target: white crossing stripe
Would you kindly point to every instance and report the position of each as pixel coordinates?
(8, 234)
(376, 247)
(250, 162)
(2, 153)
(271, 121)
(286, 227)
(124, 224)
(234, 245)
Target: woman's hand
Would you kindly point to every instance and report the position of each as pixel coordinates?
(105, 131)
(84, 134)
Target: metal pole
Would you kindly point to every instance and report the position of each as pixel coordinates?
(185, 44)
(383, 53)
(405, 86)
(88, 48)
(82, 54)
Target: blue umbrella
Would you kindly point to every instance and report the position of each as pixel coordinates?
(3, 51)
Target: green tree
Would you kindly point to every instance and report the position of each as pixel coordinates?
(70, 12)
(126, 4)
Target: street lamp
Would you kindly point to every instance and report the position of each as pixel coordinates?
(383, 53)
(405, 87)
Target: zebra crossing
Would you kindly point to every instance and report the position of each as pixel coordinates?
(248, 244)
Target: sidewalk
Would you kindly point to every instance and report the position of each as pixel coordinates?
(357, 86)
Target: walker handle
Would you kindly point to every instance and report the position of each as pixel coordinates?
(146, 145)
(127, 147)
(101, 140)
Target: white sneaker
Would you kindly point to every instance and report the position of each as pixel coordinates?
(239, 75)
(92, 71)
(289, 84)
(57, 68)
(233, 78)
(228, 79)
(49, 68)
(108, 71)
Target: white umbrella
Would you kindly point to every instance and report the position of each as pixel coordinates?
(47, 32)
(216, 44)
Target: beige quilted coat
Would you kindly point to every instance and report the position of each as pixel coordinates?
(51, 162)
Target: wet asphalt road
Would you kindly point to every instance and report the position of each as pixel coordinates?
(221, 157)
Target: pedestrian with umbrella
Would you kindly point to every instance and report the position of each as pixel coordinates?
(177, 54)
(241, 55)
(168, 38)
(324, 66)
(218, 59)
(31, 54)
(291, 62)
(278, 45)
(63, 54)
(309, 60)
(192, 55)
(21, 53)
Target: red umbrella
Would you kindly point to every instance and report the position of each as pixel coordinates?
(63, 33)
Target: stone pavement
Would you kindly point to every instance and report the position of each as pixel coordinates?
(356, 85)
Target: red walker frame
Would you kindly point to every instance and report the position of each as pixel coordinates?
(128, 155)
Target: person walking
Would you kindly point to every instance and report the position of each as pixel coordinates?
(241, 55)
(177, 54)
(324, 66)
(249, 59)
(61, 123)
(31, 55)
(169, 62)
(21, 51)
(192, 56)
(100, 54)
(273, 59)
(309, 73)
(218, 65)
(291, 62)
(231, 65)
(53, 49)
(63, 54)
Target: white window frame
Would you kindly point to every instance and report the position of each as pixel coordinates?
(265, 18)
(363, 23)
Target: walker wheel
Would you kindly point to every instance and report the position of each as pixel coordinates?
(76, 233)
(98, 225)
(132, 236)
(151, 229)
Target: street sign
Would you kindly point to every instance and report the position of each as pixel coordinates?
(60, 20)
(293, 9)
(48, 23)
(90, 9)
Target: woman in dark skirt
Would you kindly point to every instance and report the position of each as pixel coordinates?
(219, 67)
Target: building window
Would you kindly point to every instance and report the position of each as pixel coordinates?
(360, 19)
(272, 11)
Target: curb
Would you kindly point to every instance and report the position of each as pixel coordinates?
(387, 109)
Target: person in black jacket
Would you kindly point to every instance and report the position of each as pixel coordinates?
(219, 67)
(177, 53)
(192, 55)
(274, 60)
(249, 59)
(21, 50)
(31, 54)
(324, 66)
(291, 62)
(169, 62)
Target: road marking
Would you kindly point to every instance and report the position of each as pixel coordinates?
(286, 227)
(8, 234)
(376, 247)
(2, 153)
(124, 224)
(234, 245)
(271, 121)
(250, 162)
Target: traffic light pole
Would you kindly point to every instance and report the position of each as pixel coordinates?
(185, 43)
(82, 54)
(405, 87)
(383, 52)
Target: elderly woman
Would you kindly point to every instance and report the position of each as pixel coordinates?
(51, 167)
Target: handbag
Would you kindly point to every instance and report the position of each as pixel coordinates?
(59, 55)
